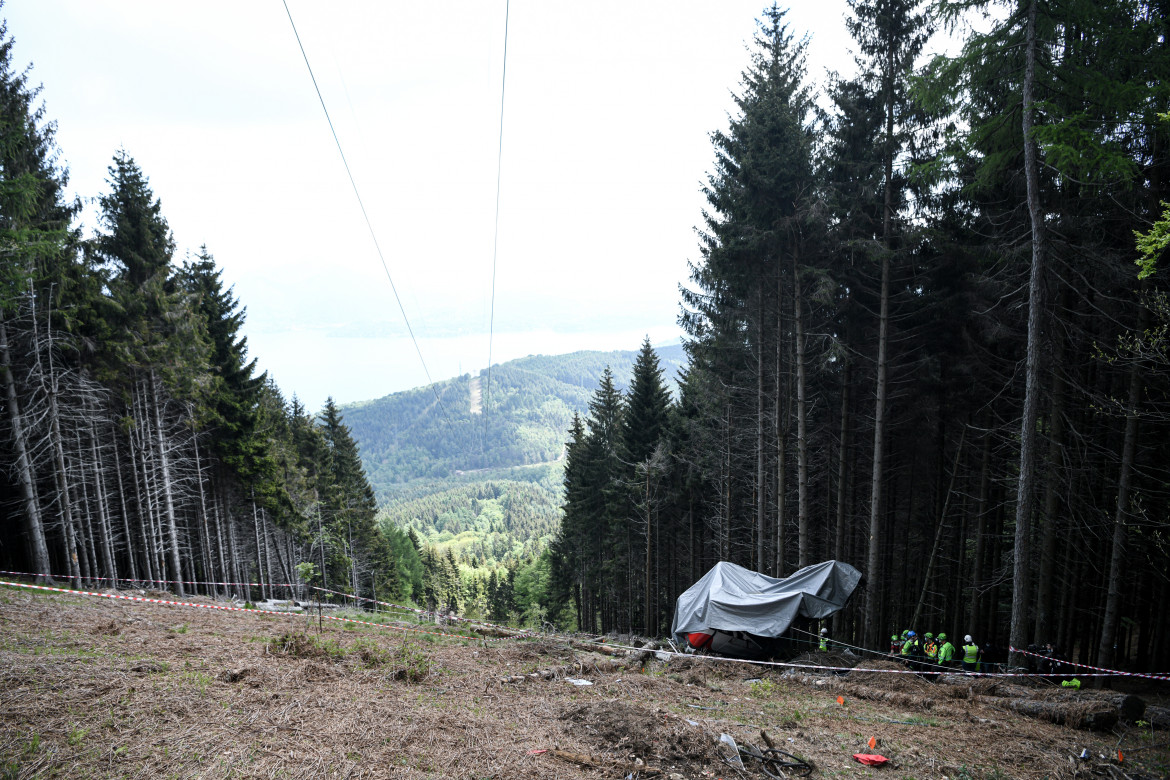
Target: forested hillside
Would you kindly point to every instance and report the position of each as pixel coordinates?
(139, 443)
(918, 343)
(527, 407)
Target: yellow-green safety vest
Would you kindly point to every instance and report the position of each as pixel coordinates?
(970, 653)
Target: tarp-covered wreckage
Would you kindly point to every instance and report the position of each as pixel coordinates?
(738, 612)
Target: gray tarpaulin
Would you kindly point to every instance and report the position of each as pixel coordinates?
(732, 598)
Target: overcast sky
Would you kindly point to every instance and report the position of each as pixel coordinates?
(607, 116)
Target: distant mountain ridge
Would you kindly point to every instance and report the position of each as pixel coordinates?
(432, 433)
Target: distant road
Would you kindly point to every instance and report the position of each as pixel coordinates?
(476, 396)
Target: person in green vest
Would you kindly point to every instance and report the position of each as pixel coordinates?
(824, 645)
(970, 654)
(911, 649)
(930, 647)
(946, 652)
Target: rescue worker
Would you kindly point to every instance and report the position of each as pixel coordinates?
(824, 645)
(911, 649)
(970, 654)
(931, 647)
(895, 645)
(946, 652)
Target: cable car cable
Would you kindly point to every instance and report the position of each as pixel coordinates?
(365, 215)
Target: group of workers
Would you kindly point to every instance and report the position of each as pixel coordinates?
(927, 650)
(935, 650)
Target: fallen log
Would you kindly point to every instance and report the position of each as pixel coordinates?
(1128, 707)
(1158, 717)
(896, 698)
(557, 672)
(587, 647)
(1089, 715)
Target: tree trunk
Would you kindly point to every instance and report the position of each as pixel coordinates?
(33, 524)
(168, 491)
(1107, 649)
(802, 541)
(122, 503)
(1022, 568)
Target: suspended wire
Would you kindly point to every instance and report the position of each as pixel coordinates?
(496, 236)
(366, 216)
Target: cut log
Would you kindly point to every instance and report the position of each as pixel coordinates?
(557, 672)
(1158, 717)
(1093, 716)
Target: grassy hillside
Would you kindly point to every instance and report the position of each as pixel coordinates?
(527, 410)
(486, 485)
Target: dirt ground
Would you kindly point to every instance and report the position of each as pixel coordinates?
(94, 688)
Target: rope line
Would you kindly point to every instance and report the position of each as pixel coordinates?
(496, 234)
(365, 215)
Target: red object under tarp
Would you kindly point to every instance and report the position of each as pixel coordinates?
(871, 759)
(699, 639)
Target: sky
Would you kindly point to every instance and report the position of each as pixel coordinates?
(607, 113)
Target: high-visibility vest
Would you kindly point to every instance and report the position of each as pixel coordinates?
(946, 653)
(970, 653)
(906, 646)
(931, 649)
(824, 644)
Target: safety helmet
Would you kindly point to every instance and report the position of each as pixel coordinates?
(893, 637)
(911, 634)
(929, 635)
(824, 631)
(942, 637)
(968, 638)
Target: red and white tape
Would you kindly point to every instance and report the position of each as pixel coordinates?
(223, 608)
(1112, 672)
(152, 582)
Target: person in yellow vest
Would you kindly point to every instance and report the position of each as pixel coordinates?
(946, 651)
(824, 645)
(931, 648)
(912, 649)
(970, 654)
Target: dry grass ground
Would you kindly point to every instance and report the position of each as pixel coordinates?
(94, 688)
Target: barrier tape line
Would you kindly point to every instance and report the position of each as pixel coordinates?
(1099, 671)
(816, 668)
(1153, 676)
(412, 610)
(153, 582)
(146, 600)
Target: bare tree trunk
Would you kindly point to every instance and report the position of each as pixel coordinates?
(33, 524)
(1044, 587)
(259, 549)
(168, 494)
(64, 498)
(122, 503)
(938, 532)
(781, 430)
(802, 542)
(220, 543)
(1022, 568)
(1108, 646)
(761, 492)
(206, 545)
(145, 505)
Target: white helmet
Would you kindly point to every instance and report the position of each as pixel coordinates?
(824, 630)
(968, 638)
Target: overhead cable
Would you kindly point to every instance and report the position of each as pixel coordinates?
(496, 235)
(365, 215)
